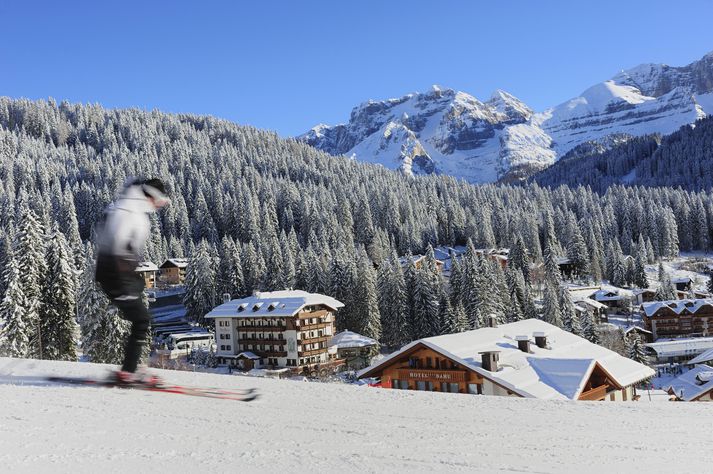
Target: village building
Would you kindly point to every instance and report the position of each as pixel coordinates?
(696, 385)
(679, 318)
(643, 295)
(148, 271)
(702, 358)
(583, 299)
(173, 271)
(354, 349)
(644, 335)
(418, 260)
(678, 350)
(275, 330)
(683, 283)
(499, 256)
(529, 358)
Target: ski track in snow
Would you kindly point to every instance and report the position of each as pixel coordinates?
(302, 426)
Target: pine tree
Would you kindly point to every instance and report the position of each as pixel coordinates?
(666, 290)
(14, 333)
(551, 312)
(200, 295)
(58, 316)
(570, 318)
(29, 252)
(391, 290)
(366, 316)
(635, 349)
(426, 293)
(589, 328)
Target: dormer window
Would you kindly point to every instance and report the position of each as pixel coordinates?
(257, 306)
(272, 306)
(242, 307)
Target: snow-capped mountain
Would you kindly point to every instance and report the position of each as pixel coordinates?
(451, 132)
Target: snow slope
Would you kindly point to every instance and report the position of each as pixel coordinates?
(300, 427)
(451, 132)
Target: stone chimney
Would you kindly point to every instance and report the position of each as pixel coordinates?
(226, 297)
(490, 360)
(492, 321)
(540, 339)
(523, 343)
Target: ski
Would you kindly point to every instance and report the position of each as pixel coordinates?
(243, 395)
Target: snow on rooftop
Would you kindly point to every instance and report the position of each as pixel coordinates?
(681, 347)
(556, 372)
(273, 303)
(348, 339)
(677, 306)
(693, 383)
(706, 356)
(176, 262)
(146, 267)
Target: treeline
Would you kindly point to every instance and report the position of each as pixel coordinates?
(683, 159)
(290, 216)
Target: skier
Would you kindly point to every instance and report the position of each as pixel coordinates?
(122, 239)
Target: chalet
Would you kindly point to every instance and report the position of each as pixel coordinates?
(529, 359)
(614, 298)
(566, 266)
(581, 297)
(148, 271)
(683, 283)
(696, 385)
(356, 350)
(499, 256)
(679, 318)
(644, 335)
(678, 350)
(418, 260)
(643, 295)
(173, 271)
(275, 330)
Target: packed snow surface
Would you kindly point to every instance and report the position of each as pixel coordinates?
(312, 427)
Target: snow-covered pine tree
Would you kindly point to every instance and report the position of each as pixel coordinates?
(342, 285)
(30, 257)
(518, 257)
(14, 333)
(516, 290)
(552, 270)
(366, 316)
(666, 291)
(426, 293)
(635, 348)
(551, 312)
(570, 318)
(589, 328)
(59, 329)
(639, 277)
(391, 290)
(200, 295)
(577, 249)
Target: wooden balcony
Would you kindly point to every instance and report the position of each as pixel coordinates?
(312, 327)
(312, 352)
(313, 340)
(250, 340)
(595, 394)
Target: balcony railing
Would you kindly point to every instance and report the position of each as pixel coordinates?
(597, 393)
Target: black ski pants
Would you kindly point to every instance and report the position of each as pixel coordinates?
(133, 310)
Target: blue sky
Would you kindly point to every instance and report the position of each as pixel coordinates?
(289, 65)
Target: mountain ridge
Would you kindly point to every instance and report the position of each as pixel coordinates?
(445, 131)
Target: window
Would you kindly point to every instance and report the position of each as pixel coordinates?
(428, 362)
(420, 385)
(444, 386)
(222, 348)
(395, 383)
(455, 388)
(229, 348)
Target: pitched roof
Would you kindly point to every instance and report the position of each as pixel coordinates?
(273, 303)
(348, 339)
(559, 371)
(677, 306)
(681, 347)
(706, 356)
(693, 383)
(175, 262)
(146, 267)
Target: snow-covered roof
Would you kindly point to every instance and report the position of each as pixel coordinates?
(636, 328)
(706, 356)
(559, 371)
(612, 293)
(348, 340)
(681, 347)
(685, 279)
(693, 383)
(146, 267)
(273, 303)
(677, 306)
(175, 262)
(248, 355)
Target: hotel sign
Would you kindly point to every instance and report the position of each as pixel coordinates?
(445, 376)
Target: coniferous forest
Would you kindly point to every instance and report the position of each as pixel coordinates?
(254, 211)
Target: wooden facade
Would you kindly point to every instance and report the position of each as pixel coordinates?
(423, 368)
(172, 273)
(667, 323)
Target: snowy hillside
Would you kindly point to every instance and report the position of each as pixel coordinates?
(450, 132)
(299, 427)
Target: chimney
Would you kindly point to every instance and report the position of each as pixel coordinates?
(540, 339)
(490, 360)
(226, 297)
(492, 321)
(523, 343)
